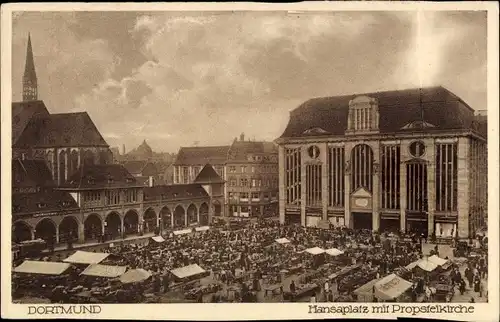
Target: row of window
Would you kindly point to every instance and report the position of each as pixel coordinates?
(245, 182)
(362, 168)
(253, 195)
(188, 174)
(252, 169)
(112, 197)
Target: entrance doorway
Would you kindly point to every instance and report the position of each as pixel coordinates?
(362, 220)
(417, 226)
(291, 219)
(389, 225)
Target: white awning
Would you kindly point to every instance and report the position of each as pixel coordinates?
(391, 287)
(182, 232)
(104, 270)
(202, 228)
(437, 260)
(39, 267)
(334, 252)
(315, 250)
(187, 271)
(82, 257)
(282, 241)
(426, 265)
(134, 276)
(158, 239)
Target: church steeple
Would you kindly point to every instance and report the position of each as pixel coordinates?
(30, 83)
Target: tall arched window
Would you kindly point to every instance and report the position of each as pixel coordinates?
(361, 167)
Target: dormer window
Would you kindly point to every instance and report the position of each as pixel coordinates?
(363, 115)
(41, 205)
(175, 195)
(129, 180)
(90, 180)
(65, 203)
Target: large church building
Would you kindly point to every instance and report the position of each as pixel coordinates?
(409, 160)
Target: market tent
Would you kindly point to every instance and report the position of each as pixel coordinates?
(183, 232)
(391, 287)
(426, 265)
(364, 293)
(39, 267)
(158, 239)
(134, 276)
(412, 265)
(202, 228)
(104, 270)
(334, 252)
(82, 257)
(187, 271)
(315, 251)
(437, 260)
(282, 241)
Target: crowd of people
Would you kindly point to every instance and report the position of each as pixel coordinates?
(245, 262)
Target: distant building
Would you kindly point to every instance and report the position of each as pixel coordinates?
(144, 171)
(190, 161)
(410, 160)
(252, 178)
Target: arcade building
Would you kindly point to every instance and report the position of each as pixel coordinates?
(409, 160)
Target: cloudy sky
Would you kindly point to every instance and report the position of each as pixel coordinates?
(174, 79)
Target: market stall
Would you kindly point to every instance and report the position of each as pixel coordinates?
(318, 256)
(202, 228)
(82, 257)
(40, 267)
(182, 232)
(189, 272)
(135, 276)
(365, 293)
(282, 241)
(158, 239)
(108, 271)
(391, 287)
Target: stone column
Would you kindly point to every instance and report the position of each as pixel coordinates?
(402, 184)
(57, 235)
(281, 180)
(463, 187)
(66, 164)
(32, 231)
(324, 179)
(172, 218)
(376, 187)
(198, 214)
(58, 166)
(430, 156)
(303, 189)
(186, 218)
(81, 231)
(347, 184)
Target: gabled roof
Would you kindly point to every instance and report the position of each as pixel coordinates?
(23, 113)
(46, 200)
(101, 176)
(208, 175)
(202, 155)
(29, 173)
(135, 166)
(441, 108)
(240, 150)
(66, 130)
(175, 192)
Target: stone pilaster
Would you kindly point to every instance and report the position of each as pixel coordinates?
(402, 184)
(376, 187)
(66, 164)
(463, 187)
(303, 189)
(347, 184)
(324, 180)
(430, 156)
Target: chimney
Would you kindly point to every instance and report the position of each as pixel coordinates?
(242, 137)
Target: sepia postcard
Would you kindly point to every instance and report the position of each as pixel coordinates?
(250, 161)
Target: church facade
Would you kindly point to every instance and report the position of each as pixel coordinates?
(411, 160)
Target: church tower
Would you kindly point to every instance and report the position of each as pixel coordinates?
(30, 83)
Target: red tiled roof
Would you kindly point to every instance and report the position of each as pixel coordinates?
(202, 155)
(442, 108)
(23, 113)
(65, 130)
(175, 192)
(208, 175)
(101, 176)
(46, 200)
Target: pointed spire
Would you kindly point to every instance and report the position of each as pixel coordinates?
(30, 83)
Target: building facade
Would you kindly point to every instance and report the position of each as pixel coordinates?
(252, 179)
(191, 160)
(412, 160)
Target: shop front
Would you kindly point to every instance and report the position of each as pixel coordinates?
(416, 222)
(313, 219)
(292, 216)
(336, 219)
(390, 222)
(362, 220)
(445, 227)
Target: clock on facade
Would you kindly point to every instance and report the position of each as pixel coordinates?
(313, 152)
(417, 149)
